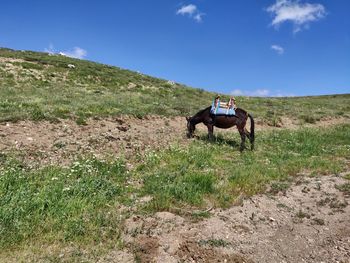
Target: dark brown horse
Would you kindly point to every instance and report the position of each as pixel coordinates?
(224, 122)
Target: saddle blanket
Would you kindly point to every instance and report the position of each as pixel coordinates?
(222, 111)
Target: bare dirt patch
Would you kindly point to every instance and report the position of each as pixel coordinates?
(309, 222)
(60, 143)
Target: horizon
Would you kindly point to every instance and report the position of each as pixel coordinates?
(274, 48)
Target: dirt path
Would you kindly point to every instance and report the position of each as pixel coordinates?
(59, 143)
(309, 222)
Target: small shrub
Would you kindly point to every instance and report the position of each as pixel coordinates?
(277, 187)
(302, 214)
(318, 221)
(81, 121)
(37, 114)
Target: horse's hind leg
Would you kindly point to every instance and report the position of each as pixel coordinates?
(247, 133)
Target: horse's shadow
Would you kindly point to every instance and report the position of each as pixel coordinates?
(218, 140)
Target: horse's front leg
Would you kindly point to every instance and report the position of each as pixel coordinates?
(242, 133)
(210, 131)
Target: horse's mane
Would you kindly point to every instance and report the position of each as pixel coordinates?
(200, 112)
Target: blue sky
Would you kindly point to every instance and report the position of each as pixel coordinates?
(242, 47)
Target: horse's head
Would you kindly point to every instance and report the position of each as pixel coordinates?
(190, 127)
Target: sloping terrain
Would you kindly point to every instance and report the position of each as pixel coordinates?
(40, 86)
(95, 167)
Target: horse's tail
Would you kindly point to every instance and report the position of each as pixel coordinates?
(252, 135)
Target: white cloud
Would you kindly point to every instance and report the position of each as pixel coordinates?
(191, 11)
(254, 93)
(300, 14)
(278, 49)
(187, 10)
(237, 92)
(198, 17)
(279, 94)
(261, 93)
(50, 50)
(76, 52)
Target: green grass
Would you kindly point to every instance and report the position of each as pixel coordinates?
(61, 204)
(217, 173)
(42, 87)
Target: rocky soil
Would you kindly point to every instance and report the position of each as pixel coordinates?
(309, 222)
(59, 143)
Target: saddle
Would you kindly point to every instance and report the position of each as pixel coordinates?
(223, 108)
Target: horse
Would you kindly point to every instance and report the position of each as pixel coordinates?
(224, 122)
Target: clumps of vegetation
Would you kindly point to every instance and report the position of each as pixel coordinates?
(29, 65)
(338, 205)
(214, 243)
(345, 188)
(273, 118)
(333, 202)
(81, 120)
(309, 118)
(318, 221)
(324, 201)
(277, 187)
(301, 214)
(199, 215)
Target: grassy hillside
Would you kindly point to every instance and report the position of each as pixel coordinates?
(76, 211)
(38, 86)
